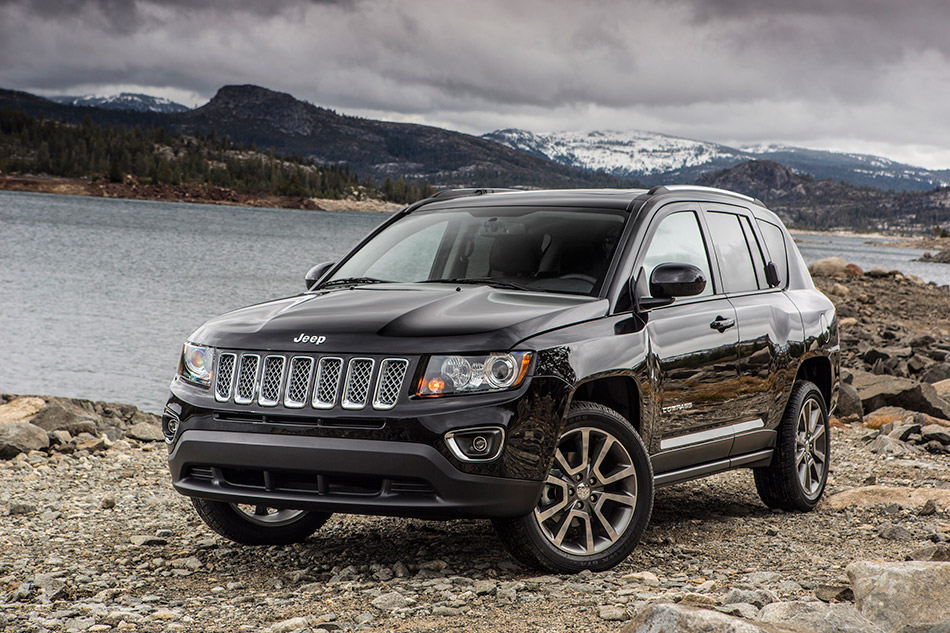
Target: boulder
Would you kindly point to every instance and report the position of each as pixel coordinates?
(878, 391)
(879, 272)
(893, 595)
(21, 409)
(942, 388)
(839, 290)
(59, 415)
(936, 373)
(866, 496)
(670, 618)
(145, 432)
(853, 270)
(828, 267)
(849, 403)
(937, 553)
(936, 432)
(21, 437)
(819, 617)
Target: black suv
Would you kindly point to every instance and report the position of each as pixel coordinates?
(544, 359)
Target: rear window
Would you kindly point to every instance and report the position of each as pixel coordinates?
(775, 242)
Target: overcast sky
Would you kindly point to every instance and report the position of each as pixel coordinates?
(856, 75)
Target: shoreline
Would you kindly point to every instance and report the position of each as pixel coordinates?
(191, 192)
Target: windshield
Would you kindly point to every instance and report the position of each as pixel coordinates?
(533, 248)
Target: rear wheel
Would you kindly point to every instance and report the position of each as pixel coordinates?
(258, 525)
(798, 474)
(596, 501)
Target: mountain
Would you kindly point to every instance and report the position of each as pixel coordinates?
(278, 121)
(125, 101)
(807, 202)
(658, 158)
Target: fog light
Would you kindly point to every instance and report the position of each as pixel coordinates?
(480, 444)
(170, 422)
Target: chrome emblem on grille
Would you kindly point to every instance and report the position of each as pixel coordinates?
(310, 338)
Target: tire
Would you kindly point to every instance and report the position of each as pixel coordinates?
(597, 500)
(797, 477)
(257, 525)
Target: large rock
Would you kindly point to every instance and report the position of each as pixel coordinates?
(894, 595)
(878, 391)
(819, 617)
(937, 372)
(849, 402)
(828, 266)
(21, 409)
(21, 437)
(63, 416)
(145, 432)
(674, 618)
(866, 496)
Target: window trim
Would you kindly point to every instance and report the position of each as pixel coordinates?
(719, 207)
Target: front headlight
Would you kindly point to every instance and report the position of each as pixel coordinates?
(446, 375)
(196, 364)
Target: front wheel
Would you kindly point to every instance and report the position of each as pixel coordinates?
(799, 471)
(258, 525)
(596, 501)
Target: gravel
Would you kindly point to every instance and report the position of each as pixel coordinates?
(97, 540)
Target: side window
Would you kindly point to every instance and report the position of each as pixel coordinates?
(775, 241)
(679, 240)
(410, 259)
(735, 260)
(758, 261)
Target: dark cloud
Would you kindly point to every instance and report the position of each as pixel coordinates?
(811, 71)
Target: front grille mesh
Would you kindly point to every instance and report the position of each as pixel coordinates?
(225, 377)
(247, 379)
(392, 371)
(270, 380)
(323, 382)
(358, 375)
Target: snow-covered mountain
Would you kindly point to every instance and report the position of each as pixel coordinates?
(658, 158)
(125, 101)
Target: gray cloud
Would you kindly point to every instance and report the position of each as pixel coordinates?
(868, 73)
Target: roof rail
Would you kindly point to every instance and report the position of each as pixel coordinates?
(667, 188)
(448, 194)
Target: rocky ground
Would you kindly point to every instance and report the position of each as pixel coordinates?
(94, 538)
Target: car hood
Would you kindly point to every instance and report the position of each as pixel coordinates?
(398, 318)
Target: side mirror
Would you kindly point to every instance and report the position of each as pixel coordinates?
(316, 273)
(676, 280)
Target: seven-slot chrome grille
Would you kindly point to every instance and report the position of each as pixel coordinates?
(322, 382)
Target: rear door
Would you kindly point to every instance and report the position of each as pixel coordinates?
(764, 322)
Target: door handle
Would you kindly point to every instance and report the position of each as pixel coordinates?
(722, 324)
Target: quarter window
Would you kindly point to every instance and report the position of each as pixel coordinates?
(735, 259)
(678, 240)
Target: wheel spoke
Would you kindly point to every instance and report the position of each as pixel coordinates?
(589, 542)
(800, 456)
(818, 434)
(627, 500)
(563, 527)
(604, 449)
(629, 471)
(605, 524)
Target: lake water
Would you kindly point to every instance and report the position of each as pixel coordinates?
(97, 295)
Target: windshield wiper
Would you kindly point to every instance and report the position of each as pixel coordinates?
(353, 280)
(488, 281)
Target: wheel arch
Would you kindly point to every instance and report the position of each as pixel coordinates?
(817, 369)
(618, 392)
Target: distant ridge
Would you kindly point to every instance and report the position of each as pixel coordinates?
(276, 120)
(659, 158)
(131, 101)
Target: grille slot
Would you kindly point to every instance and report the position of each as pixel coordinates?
(392, 371)
(359, 371)
(247, 379)
(327, 383)
(271, 379)
(298, 381)
(225, 377)
(203, 473)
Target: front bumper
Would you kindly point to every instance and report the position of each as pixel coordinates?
(328, 474)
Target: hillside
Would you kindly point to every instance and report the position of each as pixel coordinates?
(124, 101)
(806, 202)
(660, 159)
(278, 121)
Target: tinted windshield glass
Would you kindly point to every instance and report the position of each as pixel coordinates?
(551, 249)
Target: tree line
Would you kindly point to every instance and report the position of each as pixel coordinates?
(159, 156)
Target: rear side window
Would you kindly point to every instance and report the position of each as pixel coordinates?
(678, 240)
(735, 258)
(775, 242)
